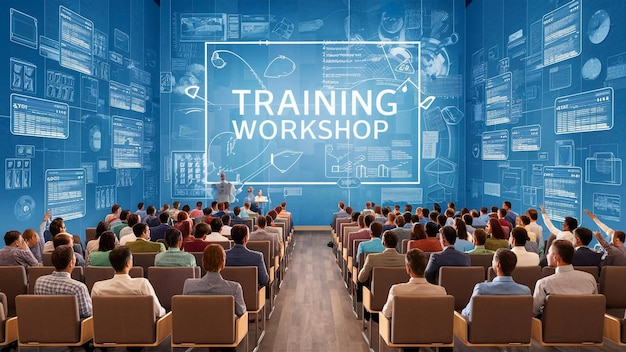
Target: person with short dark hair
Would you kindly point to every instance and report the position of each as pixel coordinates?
(212, 283)
(60, 281)
(127, 234)
(114, 216)
(566, 232)
(401, 231)
(140, 211)
(417, 286)
(173, 256)
(16, 252)
(374, 245)
(448, 257)
(121, 260)
(240, 255)
(388, 258)
(106, 244)
(216, 228)
(143, 244)
(615, 251)
(565, 280)
(510, 216)
(429, 244)
(225, 231)
(519, 236)
(151, 219)
(480, 237)
(585, 256)
(197, 211)
(260, 234)
(158, 232)
(199, 242)
(504, 262)
(63, 239)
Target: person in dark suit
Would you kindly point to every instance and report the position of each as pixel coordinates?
(240, 255)
(585, 256)
(449, 256)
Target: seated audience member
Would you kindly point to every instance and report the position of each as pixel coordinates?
(531, 244)
(607, 230)
(212, 283)
(32, 241)
(225, 231)
(106, 245)
(480, 237)
(374, 245)
(566, 232)
(199, 242)
(151, 218)
(94, 244)
(469, 221)
(158, 232)
(215, 235)
(417, 285)
(122, 284)
(240, 255)
(519, 236)
(127, 234)
(16, 252)
(615, 251)
(418, 232)
(363, 232)
(197, 212)
(462, 244)
(114, 216)
(140, 211)
(118, 226)
(431, 243)
(448, 257)
(185, 225)
(238, 214)
(565, 280)
(497, 238)
(401, 232)
(143, 244)
(173, 256)
(57, 225)
(533, 215)
(391, 221)
(389, 258)
(504, 262)
(583, 255)
(67, 239)
(261, 235)
(60, 281)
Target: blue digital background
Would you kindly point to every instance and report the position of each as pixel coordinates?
(119, 102)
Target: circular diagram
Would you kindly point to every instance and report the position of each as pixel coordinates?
(591, 69)
(24, 208)
(599, 26)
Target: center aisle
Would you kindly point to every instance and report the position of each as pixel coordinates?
(313, 310)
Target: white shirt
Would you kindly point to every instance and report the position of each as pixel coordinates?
(123, 284)
(128, 230)
(560, 235)
(225, 230)
(417, 286)
(216, 237)
(566, 281)
(525, 258)
(128, 238)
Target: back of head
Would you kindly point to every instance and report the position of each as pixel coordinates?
(273, 213)
(124, 215)
(571, 222)
(268, 220)
(29, 234)
(164, 217)
(507, 260)
(361, 221)
(56, 226)
(10, 237)
(467, 218)
(376, 228)
(107, 241)
(369, 219)
(140, 206)
(433, 215)
(151, 210)
(238, 233)
(62, 239)
(182, 216)
(118, 257)
(564, 249)
(418, 232)
(348, 210)
(414, 218)
(102, 226)
(432, 229)
(441, 220)
(494, 209)
(620, 235)
(139, 229)
(524, 219)
(425, 212)
(225, 219)
(520, 235)
(237, 210)
(532, 214)
(481, 236)
(390, 239)
(216, 225)
(417, 260)
(213, 258)
(449, 233)
(172, 236)
(483, 210)
(400, 221)
(355, 216)
(132, 219)
(201, 229)
(261, 221)
(496, 229)
(115, 208)
(584, 234)
(207, 211)
(62, 256)
(461, 229)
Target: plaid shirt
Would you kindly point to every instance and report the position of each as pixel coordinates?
(60, 283)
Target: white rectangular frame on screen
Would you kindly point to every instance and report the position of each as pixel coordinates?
(557, 107)
(69, 216)
(268, 43)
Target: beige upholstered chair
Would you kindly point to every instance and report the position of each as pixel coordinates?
(571, 320)
(169, 281)
(144, 260)
(483, 260)
(8, 326)
(128, 321)
(374, 298)
(459, 281)
(13, 282)
(268, 257)
(496, 321)
(90, 234)
(207, 321)
(35, 272)
(418, 321)
(525, 275)
(51, 320)
(254, 297)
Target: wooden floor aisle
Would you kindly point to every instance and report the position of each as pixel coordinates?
(313, 310)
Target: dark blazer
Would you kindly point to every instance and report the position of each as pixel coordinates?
(584, 256)
(449, 257)
(239, 255)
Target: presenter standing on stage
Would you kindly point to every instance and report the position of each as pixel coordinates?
(225, 190)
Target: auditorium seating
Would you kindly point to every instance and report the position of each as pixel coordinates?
(459, 281)
(8, 326)
(13, 282)
(99, 273)
(36, 271)
(169, 281)
(525, 275)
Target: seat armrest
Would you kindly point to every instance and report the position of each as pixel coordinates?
(241, 327)
(537, 330)
(460, 327)
(384, 328)
(612, 328)
(10, 330)
(163, 327)
(367, 299)
(86, 330)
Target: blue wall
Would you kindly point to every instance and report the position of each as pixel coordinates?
(545, 87)
(228, 65)
(79, 110)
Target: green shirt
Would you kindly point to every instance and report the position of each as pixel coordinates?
(174, 257)
(99, 258)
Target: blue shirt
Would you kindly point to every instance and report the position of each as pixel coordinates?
(375, 245)
(501, 285)
(463, 245)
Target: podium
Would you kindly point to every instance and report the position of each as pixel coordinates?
(261, 200)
